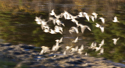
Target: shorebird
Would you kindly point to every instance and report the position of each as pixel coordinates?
(102, 19)
(76, 48)
(73, 49)
(58, 29)
(102, 28)
(64, 53)
(76, 40)
(115, 19)
(46, 30)
(52, 31)
(38, 20)
(73, 29)
(95, 15)
(101, 51)
(92, 17)
(80, 14)
(75, 21)
(86, 15)
(80, 51)
(44, 49)
(59, 16)
(52, 12)
(66, 15)
(115, 40)
(98, 48)
(93, 45)
(57, 21)
(68, 47)
(82, 47)
(97, 25)
(55, 48)
(61, 39)
(102, 43)
(83, 27)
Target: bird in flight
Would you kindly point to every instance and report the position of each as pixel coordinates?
(115, 40)
(102, 19)
(76, 40)
(115, 19)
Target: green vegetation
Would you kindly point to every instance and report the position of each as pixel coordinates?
(10, 64)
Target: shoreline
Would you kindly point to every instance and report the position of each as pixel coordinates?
(26, 54)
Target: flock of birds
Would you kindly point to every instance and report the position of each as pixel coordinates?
(58, 28)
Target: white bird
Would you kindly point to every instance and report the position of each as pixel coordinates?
(59, 16)
(97, 25)
(92, 17)
(102, 28)
(62, 24)
(73, 49)
(115, 19)
(76, 40)
(45, 27)
(46, 30)
(83, 27)
(58, 29)
(80, 14)
(52, 31)
(93, 45)
(57, 21)
(51, 18)
(66, 15)
(44, 49)
(86, 15)
(76, 48)
(64, 53)
(101, 51)
(52, 12)
(56, 47)
(82, 47)
(86, 54)
(43, 22)
(98, 48)
(95, 15)
(80, 51)
(38, 20)
(68, 47)
(61, 39)
(75, 21)
(102, 19)
(41, 52)
(73, 29)
(102, 43)
(115, 40)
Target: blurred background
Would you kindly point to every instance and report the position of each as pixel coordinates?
(17, 24)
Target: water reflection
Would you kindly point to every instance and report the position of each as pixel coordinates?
(18, 26)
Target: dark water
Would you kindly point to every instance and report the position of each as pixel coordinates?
(17, 24)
